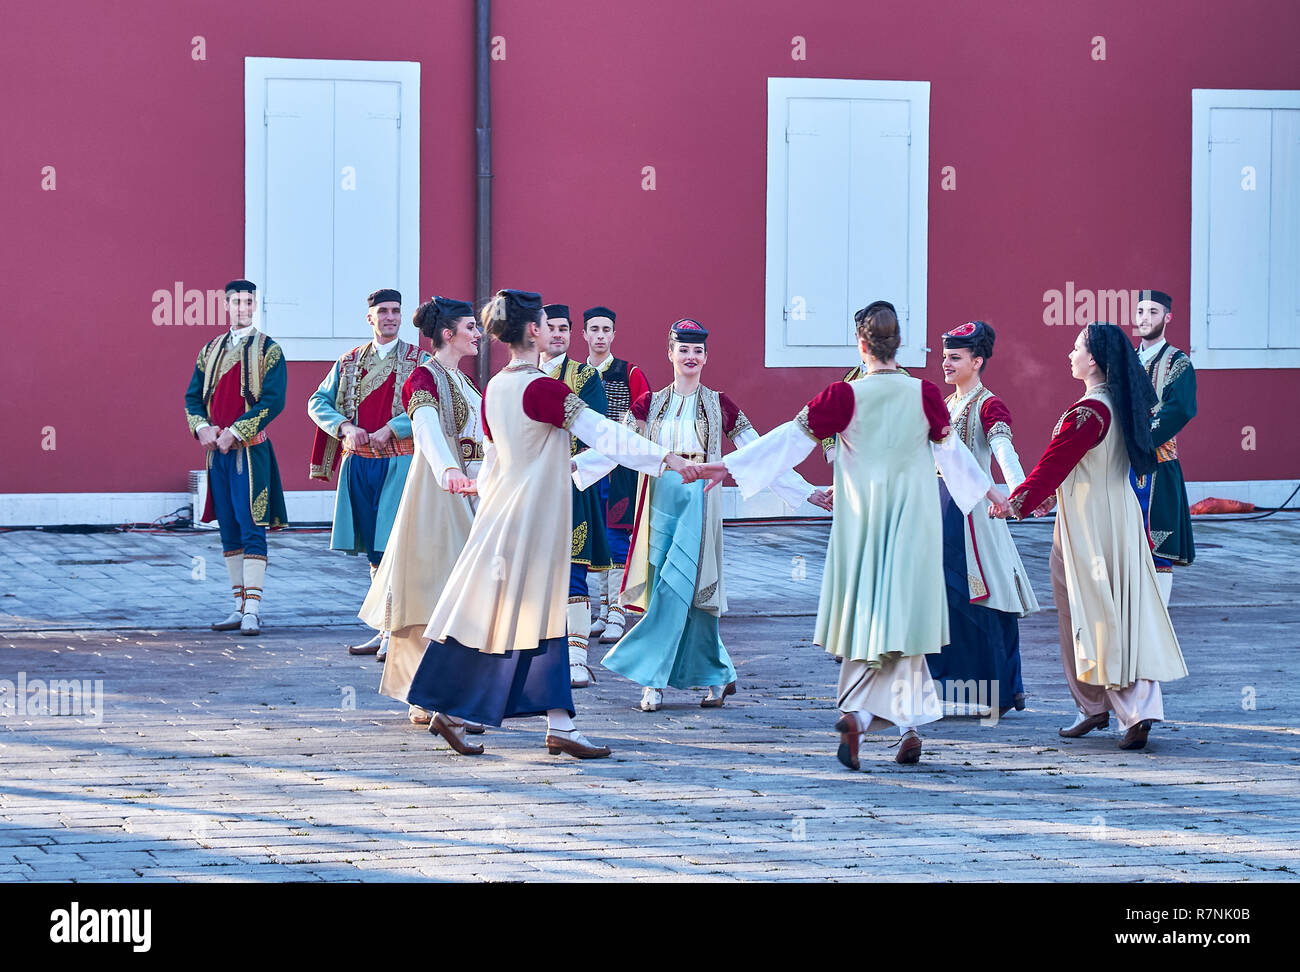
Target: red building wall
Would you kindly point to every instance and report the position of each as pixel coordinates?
(1068, 169)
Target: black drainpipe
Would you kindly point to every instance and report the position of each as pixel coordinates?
(483, 154)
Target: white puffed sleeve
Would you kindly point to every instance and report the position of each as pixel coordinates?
(433, 444)
(1008, 461)
(963, 476)
(789, 486)
(614, 445)
(761, 462)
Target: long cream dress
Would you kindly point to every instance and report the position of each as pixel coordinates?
(1117, 642)
(432, 524)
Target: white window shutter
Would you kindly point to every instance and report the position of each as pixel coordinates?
(1284, 237)
(846, 215)
(365, 238)
(1238, 277)
(297, 296)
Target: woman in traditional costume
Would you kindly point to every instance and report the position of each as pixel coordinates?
(434, 515)
(1117, 642)
(674, 567)
(882, 607)
(988, 587)
(498, 646)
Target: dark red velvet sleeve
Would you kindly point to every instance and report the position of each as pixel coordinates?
(420, 380)
(637, 385)
(730, 413)
(994, 411)
(1082, 428)
(544, 401)
(641, 407)
(936, 411)
(830, 412)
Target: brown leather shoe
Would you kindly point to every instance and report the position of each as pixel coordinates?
(708, 703)
(1099, 721)
(849, 729)
(475, 728)
(455, 736)
(909, 750)
(1136, 737)
(577, 748)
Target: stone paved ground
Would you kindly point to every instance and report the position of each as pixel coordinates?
(227, 758)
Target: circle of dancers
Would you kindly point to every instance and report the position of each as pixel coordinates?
(507, 527)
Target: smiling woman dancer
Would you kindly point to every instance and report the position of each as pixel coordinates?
(434, 515)
(498, 646)
(988, 587)
(674, 569)
(882, 606)
(1117, 642)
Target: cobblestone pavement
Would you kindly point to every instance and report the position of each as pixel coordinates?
(216, 757)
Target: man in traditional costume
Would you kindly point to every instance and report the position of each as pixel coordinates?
(358, 406)
(674, 573)
(624, 383)
(590, 547)
(237, 389)
(497, 634)
(1117, 642)
(1163, 493)
(882, 607)
(435, 513)
(988, 586)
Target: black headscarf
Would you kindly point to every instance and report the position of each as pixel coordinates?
(1130, 390)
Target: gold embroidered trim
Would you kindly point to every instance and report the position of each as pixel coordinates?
(249, 427)
(742, 423)
(801, 420)
(999, 428)
(273, 356)
(1016, 502)
(572, 406)
(257, 365)
(420, 399)
(1087, 413)
(195, 421)
(582, 374)
(579, 538)
(259, 508)
(1179, 365)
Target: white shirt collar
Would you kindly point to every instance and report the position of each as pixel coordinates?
(552, 367)
(384, 350)
(1146, 354)
(238, 334)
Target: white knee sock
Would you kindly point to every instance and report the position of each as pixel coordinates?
(560, 720)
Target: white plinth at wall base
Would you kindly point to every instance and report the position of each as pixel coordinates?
(317, 505)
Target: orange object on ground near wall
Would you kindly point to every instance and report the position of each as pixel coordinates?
(1213, 505)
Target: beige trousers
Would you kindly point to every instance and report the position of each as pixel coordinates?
(1141, 700)
(899, 693)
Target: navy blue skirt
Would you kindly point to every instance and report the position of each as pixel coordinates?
(484, 688)
(985, 644)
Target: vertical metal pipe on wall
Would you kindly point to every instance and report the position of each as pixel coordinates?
(483, 154)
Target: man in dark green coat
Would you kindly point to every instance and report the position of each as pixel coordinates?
(1163, 494)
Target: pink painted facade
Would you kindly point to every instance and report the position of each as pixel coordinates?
(1070, 173)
